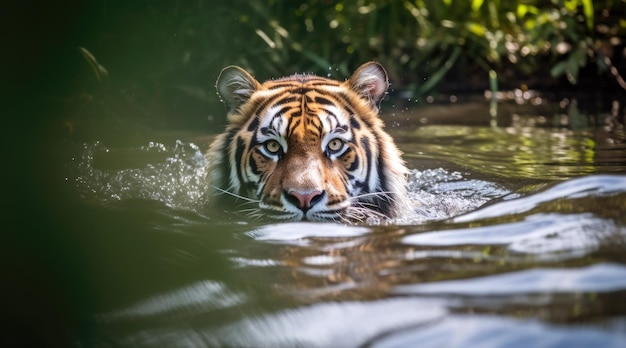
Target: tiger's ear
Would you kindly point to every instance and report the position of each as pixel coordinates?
(371, 82)
(235, 86)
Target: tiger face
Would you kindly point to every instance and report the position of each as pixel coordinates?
(305, 147)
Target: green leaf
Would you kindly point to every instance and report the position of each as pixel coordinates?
(523, 10)
(588, 11)
(476, 4)
(441, 72)
(570, 5)
(476, 29)
(558, 69)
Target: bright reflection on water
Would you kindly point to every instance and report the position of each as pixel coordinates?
(525, 152)
(520, 242)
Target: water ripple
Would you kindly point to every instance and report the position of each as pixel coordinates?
(574, 188)
(602, 277)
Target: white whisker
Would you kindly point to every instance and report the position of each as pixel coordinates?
(236, 195)
(367, 194)
(379, 194)
(249, 210)
(364, 214)
(363, 209)
(366, 205)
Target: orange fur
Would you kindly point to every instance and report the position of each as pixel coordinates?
(309, 148)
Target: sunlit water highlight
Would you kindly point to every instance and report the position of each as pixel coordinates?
(489, 261)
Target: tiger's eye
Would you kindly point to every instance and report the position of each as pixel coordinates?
(335, 145)
(272, 146)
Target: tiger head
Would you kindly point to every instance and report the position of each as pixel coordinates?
(305, 147)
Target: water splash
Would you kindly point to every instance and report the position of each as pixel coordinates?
(173, 175)
(439, 194)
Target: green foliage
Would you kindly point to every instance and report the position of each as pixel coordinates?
(420, 41)
(175, 49)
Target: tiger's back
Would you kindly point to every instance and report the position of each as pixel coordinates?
(304, 147)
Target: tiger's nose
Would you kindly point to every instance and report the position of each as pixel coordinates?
(305, 199)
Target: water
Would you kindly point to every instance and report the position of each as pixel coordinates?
(520, 241)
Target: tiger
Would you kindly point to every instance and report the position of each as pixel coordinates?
(308, 148)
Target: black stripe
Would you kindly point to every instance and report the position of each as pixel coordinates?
(341, 129)
(323, 101)
(248, 187)
(331, 114)
(252, 162)
(293, 125)
(384, 201)
(253, 124)
(354, 122)
(319, 128)
(346, 101)
(265, 131)
(365, 143)
(359, 184)
(282, 111)
(238, 158)
(286, 99)
(354, 163)
(276, 99)
(271, 129)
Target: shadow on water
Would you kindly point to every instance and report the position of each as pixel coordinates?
(520, 241)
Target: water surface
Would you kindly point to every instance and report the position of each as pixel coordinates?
(520, 241)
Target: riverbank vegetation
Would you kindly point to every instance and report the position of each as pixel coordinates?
(158, 60)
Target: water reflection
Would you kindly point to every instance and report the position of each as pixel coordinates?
(605, 277)
(519, 152)
(318, 285)
(495, 331)
(555, 199)
(202, 296)
(516, 243)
